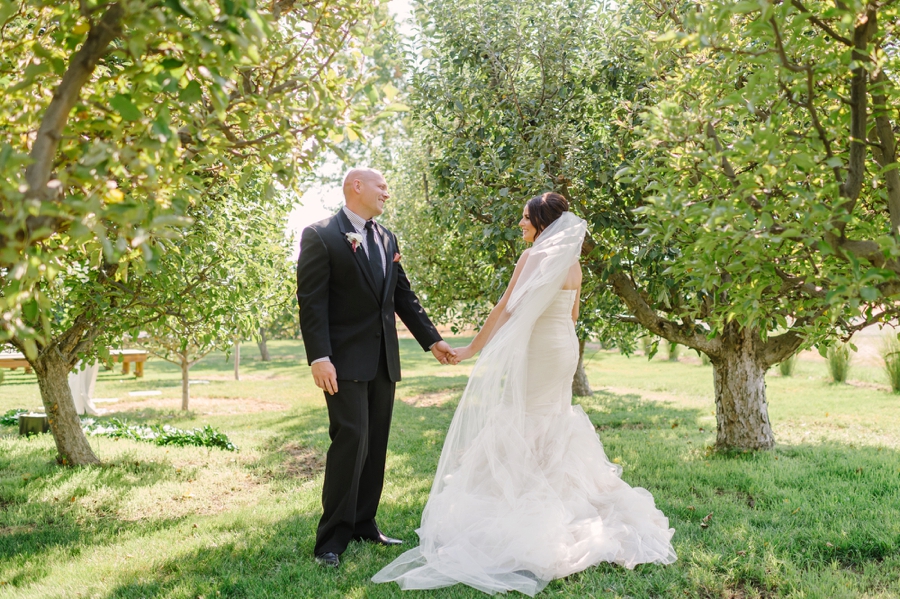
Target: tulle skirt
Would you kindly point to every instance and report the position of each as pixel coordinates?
(533, 496)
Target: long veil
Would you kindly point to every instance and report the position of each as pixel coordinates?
(497, 383)
(487, 474)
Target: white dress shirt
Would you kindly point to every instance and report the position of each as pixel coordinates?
(359, 223)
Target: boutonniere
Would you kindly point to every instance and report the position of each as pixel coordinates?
(396, 257)
(355, 239)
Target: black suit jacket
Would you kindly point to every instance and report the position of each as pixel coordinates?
(341, 316)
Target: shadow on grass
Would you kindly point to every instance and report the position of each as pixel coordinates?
(776, 523)
(270, 561)
(16, 378)
(609, 411)
(40, 512)
(148, 415)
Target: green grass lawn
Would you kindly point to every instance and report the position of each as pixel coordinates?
(819, 516)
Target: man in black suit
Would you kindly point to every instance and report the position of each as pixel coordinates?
(349, 286)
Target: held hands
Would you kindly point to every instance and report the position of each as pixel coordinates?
(325, 377)
(443, 353)
(462, 353)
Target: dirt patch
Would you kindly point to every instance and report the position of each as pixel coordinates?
(244, 377)
(15, 530)
(301, 461)
(430, 400)
(869, 385)
(200, 405)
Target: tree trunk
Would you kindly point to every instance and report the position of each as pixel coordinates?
(185, 386)
(52, 371)
(237, 360)
(673, 352)
(580, 385)
(742, 414)
(263, 348)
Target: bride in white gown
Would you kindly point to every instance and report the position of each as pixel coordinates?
(524, 492)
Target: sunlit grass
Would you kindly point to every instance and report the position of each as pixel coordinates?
(819, 516)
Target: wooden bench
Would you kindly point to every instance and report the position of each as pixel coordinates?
(13, 361)
(127, 356)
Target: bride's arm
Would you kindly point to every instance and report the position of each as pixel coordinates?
(576, 271)
(497, 317)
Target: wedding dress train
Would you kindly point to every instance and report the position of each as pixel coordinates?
(524, 492)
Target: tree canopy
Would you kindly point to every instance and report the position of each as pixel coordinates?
(124, 122)
(736, 163)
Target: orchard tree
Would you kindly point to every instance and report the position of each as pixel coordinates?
(218, 281)
(767, 152)
(735, 161)
(509, 100)
(118, 116)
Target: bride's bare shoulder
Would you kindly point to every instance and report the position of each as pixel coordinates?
(573, 277)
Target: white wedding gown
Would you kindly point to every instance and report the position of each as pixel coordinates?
(524, 492)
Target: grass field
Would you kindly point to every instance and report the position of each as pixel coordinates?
(819, 516)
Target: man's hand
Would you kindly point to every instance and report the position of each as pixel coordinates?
(443, 353)
(325, 377)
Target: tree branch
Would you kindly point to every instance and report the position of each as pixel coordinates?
(886, 151)
(821, 24)
(65, 96)
(726, 166)
(856, 166)
(647, 317)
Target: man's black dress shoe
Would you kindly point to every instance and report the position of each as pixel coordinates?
(380, 539)
(329, 560)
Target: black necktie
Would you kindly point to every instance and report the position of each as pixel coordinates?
(374, 256)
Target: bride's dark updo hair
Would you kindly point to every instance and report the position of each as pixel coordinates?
(544, 209)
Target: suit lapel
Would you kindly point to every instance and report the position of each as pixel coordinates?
(359, 255)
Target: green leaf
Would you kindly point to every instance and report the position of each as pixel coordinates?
(30, 310)
(125, 107)
(390, 91)
(179, 8)
(869, 294)
(192, 93)
(8, 9)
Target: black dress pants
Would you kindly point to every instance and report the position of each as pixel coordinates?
(359, 417)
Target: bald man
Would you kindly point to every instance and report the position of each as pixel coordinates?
(349, 285)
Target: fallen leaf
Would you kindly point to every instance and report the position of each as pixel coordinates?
(827, 544)
(742, 553)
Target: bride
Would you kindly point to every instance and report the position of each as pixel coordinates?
(524, 492)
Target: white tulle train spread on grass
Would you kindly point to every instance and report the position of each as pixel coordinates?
(524, 492)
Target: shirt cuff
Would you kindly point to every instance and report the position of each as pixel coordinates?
(325, 359)
(433, 344)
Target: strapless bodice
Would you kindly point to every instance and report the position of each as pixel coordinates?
(561, 304)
